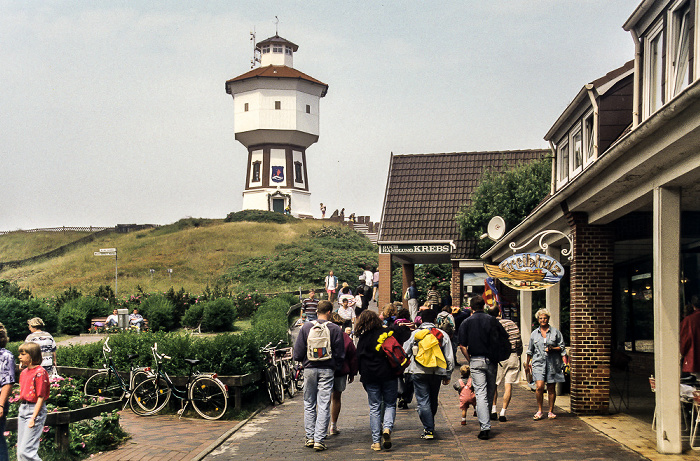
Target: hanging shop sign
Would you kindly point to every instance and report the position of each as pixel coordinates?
(527, 271)
(428, 248)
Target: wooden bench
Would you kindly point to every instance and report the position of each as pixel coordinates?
(100, 323)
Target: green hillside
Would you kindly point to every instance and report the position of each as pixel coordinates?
(198, 256)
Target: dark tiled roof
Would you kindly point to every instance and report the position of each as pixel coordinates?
(424, 192)
(277, 39)
(274, 72)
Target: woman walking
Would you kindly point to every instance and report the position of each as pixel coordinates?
(377, 378)
(545, 359)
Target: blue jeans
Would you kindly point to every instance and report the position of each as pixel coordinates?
(318, 384)
(484, 381)
(385, 392)
(427, 388)
(28, 438)
(3, 444)
(406, 387)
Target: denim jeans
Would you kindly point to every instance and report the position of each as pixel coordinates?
(484, 381)
(3, 444)
(385, 393)
(318, 384)
(28, 438)
(406, 387)
(427, 388)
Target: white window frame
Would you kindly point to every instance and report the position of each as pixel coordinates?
(561, 164)
(265, 49)
(574, 170)
(589, 149)
(277, 49)
(678, 20)
(654, 32)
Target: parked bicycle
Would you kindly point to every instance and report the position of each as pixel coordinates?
(280, 375)
(108, 382)
(208, 395)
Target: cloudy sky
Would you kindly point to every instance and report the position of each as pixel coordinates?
(116, 112)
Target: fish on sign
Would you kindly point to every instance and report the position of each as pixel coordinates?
(527, 271)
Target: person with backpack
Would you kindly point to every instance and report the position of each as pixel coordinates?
(481, 340)
(432, 362)
(376, 377)
(320, 347)
(403, 326)
(509, 369)
(446, 322)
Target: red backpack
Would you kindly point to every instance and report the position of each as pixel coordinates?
(398, 360)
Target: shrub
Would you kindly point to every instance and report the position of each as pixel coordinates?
(247, 303)
(160, 313)
(181, 301)
(74, 318)
(12, 290)
(16, 312)
(193, 315)
(219, 315)
(259, 216)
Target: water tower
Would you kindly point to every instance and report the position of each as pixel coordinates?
(276, 117)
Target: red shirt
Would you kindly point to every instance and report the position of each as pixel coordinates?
(33, 383)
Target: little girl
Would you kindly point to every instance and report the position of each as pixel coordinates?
(33, 393)
(466, 392)
(7, 379)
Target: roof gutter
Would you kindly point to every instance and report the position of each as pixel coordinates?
(637, 135)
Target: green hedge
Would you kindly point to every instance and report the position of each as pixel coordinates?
(75, 315)
(259, 216)
(16, 312)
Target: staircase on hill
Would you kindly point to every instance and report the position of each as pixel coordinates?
(364, 229)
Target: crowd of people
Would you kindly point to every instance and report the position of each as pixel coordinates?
(353, 341)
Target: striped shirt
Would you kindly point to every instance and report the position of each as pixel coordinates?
(309, 306)
(516, 342)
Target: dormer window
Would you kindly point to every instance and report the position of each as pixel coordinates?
(679, 47)
(563, 161)
(576, 150)
(588, 138)
(653, 70)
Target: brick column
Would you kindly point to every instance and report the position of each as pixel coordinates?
(591, 315)
(384, 296)
(456, 285)
(407, 275)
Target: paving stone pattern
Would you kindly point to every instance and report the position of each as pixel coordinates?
(277, 434)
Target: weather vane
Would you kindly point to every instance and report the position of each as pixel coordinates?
(277, 22)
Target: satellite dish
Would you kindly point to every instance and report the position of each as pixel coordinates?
(496, 228)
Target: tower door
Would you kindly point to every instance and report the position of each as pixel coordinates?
(278, 205)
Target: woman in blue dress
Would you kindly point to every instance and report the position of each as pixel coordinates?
(545, 359)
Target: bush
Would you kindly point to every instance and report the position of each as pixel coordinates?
(193, 315)
(74, 318)
(16, 312)
(247, 303)
(159, 312)
(259, 216)
(218, 315)
(12, 290)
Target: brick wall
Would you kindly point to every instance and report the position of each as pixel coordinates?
(591, 315)
(384, 279)
(456, 285)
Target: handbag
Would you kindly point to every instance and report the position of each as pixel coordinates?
(528, 374)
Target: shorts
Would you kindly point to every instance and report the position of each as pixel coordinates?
(340, 382)
(509, 369)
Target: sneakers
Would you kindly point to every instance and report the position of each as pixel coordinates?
(376, 446)
(464, 421)
(483, 435)
(309, 443)
(319, 446)
(427, 435)
(386, 439)
(502, 418)
(494, 416)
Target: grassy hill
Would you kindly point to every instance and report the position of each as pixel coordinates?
(198, 256)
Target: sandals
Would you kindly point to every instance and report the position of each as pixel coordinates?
(551, 415)
(537, 416)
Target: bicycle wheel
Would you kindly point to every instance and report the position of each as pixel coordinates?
(289, 381)
(104, 384)
(270, 384)
(277, 388)
(209, 397)
(139, 377)
(150, 397)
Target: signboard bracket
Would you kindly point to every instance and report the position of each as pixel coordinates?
(544, 245)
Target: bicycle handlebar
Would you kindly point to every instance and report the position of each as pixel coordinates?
(105, 346)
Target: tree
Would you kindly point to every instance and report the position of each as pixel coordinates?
(511, 194)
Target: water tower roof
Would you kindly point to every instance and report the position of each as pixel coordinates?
(275, 72)
(277, 39)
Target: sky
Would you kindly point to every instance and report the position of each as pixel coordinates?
(116, 112)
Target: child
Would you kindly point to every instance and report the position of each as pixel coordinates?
(7, 379)
(33, 393)
(466, 392)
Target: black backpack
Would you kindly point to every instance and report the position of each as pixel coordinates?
(499, 344)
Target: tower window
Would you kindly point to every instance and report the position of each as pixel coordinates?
(278, 105)
(245, 107)
(298, 176)
(256, 172)
(288, 50)
(277, 48)
(308, 109)
(266, 49)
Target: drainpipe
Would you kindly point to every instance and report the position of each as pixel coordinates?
(637, 78)
(553, 185)
(594, 103)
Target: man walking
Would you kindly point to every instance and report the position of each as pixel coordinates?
(432, 362)
(309, 306)
(474, 342)
(413, 300)
(320, 363)
(508, 370)
(331, 286)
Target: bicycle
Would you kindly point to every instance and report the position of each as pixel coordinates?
(279, 372)
(108, 382)
(208, 395)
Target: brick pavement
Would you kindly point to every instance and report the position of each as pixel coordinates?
(277, 434)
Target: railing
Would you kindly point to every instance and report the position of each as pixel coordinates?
(57, 229)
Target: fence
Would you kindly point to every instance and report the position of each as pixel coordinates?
(57, 229)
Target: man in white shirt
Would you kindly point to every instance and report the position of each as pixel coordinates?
(331, 286)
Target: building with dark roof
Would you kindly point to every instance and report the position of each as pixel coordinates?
(424, 192)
